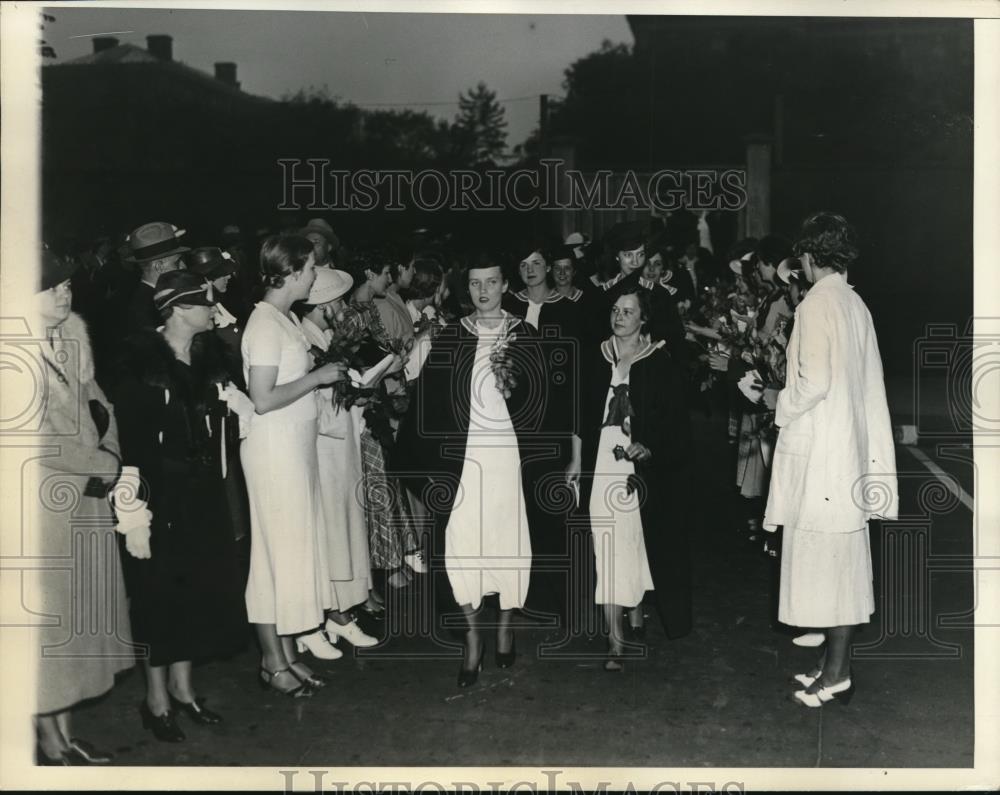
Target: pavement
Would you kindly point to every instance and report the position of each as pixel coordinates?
(716, 698)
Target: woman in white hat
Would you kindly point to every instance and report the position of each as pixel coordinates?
(341, 480)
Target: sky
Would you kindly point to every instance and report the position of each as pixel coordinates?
(366, 58)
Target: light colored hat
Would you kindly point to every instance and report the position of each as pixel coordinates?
(329, 285)
(790, 268)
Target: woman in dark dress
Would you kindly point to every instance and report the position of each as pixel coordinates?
(185, 600)
(636, 446)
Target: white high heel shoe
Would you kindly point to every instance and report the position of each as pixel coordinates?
(351, 632)
(840, 692)
(805, 679)
(318, 646)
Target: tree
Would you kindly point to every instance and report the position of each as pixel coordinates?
(480, 128)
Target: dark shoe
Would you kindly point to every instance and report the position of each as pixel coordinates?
(468, 677)
(164, 727)
(87, 754)
(297, 690)
(506, 659)
(315, 681)
(375, 611)
(197, 711)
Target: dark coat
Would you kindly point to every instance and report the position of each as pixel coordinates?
(186, 600)
(429, 454)
(660, 422)
(666, 323)
(140, 311)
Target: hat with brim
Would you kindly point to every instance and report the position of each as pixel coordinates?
(182, 288)
(321, 227)
(54, 271)
(740, 266)
(790, 268)
(564, 252)
(154, 241)
(329, 285)
(211, 262)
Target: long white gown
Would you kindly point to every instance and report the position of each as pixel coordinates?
(623, 574)
(487, 545)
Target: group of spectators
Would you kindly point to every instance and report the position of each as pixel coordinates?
(264, 437)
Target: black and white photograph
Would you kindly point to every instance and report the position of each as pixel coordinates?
(500, 398)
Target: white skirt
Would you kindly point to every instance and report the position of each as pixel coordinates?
(826, 579)
(289, 583)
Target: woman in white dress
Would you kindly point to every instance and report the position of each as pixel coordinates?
(636, 444)
(341, 478)
(468, 397)
(289, 585)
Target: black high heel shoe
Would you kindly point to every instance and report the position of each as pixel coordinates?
(197, 711)
(505, 659)
(466, 678)
(315, 681)
(266, 681)
(164, 727)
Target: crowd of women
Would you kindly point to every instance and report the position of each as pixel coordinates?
(421, 412)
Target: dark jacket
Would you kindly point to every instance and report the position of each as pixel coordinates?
(660, 422)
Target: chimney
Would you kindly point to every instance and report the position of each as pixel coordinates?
(226, 73)
(161, 46)
(102, 43)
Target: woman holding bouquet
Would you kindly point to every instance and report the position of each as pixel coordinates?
(636, 450)
(473, 413)
(391, 537)
(289, 586)
(338, 448)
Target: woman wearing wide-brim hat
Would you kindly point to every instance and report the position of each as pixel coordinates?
(78, 420)
(185, 598)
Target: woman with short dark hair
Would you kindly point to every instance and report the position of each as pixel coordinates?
(636, 451)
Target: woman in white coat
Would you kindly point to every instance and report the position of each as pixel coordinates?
(834, 462)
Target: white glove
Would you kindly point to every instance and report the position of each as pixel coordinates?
(137, 542)
(239, 404)
(134, 516)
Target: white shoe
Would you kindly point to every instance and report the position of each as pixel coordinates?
(805, 679)
(825, 695)
(810, 639)
(415, 560)
(351, 632)
(318, 646)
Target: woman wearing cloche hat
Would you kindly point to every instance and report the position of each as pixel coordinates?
(79, 422)
(185, 598)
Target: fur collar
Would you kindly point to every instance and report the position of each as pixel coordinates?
(147, 357)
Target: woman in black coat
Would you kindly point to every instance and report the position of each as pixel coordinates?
(464, 448)
(636, 446)
(186, 601)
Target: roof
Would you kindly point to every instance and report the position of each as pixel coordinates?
(130, 54)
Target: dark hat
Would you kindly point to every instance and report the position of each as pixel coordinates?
(564, 252)
(55, 270)
(211, 262)
(790, 268)
(626, 236)
(153, 241)
(182, 287)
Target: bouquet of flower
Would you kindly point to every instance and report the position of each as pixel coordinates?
(501, 363)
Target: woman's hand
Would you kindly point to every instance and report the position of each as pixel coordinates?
(573, 470)
(396, 366)
(718, 361)
(330, 373)
(638, 452)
